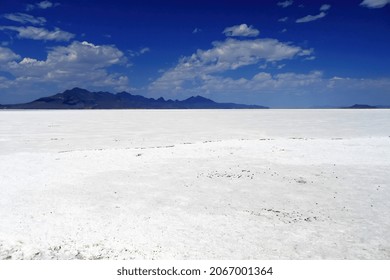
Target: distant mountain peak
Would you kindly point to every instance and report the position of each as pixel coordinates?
(198, 99)
(361, 106)
(123, 93)
(76, 90)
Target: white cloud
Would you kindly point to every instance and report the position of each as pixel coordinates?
(263, 81)
(325, 7)
(4, 83)
(286, 3)
(30, 7)
(260, 83)
(7, 55)
(309, 18)
(230, 54)
(41, 5)
(78, 64)
(284, 19)
(45, 4)
(290, 83)
(310, 57)
(214, 73)
(75, 57)
(241, 30)
(196, 30)
(25, 18)
(37, 33)
(287, 88)
(306, 52)
(375, 4)
(138, 53)
(144, 50)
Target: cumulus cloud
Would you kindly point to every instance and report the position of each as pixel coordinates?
(241, 30)
(301, 89)
(78, 64)
(325, 7)
(37, 33)
(196, 30)
(41, 5)
(7, 55)
(310, 57)
(284, 19)
(144, 50)
(231, 54)
(140, 52)
(375, 4)
(77, 57)
(46, 4)
(286, 3)
(309, 18)
(214, 72)
(25, 18)
(263, 81)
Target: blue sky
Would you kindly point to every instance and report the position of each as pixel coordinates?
(282, 53)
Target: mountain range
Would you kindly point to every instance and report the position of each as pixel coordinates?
(78, 98)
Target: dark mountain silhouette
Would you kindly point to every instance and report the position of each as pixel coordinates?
(361, 106)
(79, 98)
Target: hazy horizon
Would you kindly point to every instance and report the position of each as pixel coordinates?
(280, 107)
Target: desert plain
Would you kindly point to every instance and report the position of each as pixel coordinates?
(195, 184)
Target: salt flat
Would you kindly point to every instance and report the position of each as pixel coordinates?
(195, 184)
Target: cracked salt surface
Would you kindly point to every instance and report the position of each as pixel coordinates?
(196, 184)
